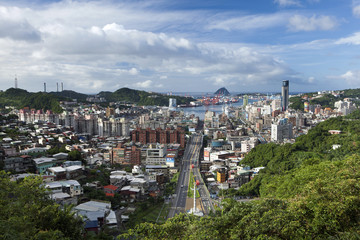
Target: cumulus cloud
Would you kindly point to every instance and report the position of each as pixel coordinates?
(144, 84)
(353, 39)
(352, 78)
(133, 71)
(100, 49)
(303, 23)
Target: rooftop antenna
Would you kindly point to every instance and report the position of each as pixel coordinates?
(16, 83)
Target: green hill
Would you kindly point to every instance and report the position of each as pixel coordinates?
(20, 98)
(71, 95)
(142, 97)
(327, 100)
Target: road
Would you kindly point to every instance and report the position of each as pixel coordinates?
(191, 156)
(206, 201)
(192, 151)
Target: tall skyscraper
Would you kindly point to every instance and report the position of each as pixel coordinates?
(172, 104)
(245, 100)
(285, 95)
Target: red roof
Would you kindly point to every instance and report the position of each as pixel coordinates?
(112, 187)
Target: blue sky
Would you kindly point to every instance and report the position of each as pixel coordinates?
(180, 46)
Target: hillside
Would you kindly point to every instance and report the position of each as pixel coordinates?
(306, 191)
(142, 97)
(20, 98)
(326, 101)
(71, 95)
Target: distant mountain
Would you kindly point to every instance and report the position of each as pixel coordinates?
(21, 98)
(222, 91)
(142, 97)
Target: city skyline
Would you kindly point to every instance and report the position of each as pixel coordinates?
(180, 46)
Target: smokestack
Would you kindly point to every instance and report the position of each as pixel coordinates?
(44, 87)
(57, 87)
(62, 86)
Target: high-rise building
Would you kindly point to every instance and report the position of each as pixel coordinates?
(245, 100)
(282, 130)
(285, 95)
(172, 104)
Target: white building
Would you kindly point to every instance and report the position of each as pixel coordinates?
(172, 104)
(276, 104)
(345, 107)
(280, 131)
(156, 156)
(248, 144)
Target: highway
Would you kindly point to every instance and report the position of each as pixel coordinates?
(191, 156)
(206, 202)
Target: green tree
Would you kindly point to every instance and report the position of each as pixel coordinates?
(28, 213)
(75, 155)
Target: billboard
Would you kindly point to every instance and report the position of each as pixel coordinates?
(170, 161)
(206, 155)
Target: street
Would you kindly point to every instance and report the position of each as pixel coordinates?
(191, 156)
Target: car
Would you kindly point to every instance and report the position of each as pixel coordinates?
(182, 185)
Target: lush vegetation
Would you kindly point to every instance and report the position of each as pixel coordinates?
(308, 190)
(151, 210)
(142, 97)
(326, 208)
(326, 101)
(27, 212)
(20, 98)
(71, 95)
(309, 149)
(171, 186)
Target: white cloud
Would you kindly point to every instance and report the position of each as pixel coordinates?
(311, 79)
(353, 39)
(14, 26)
(250, 22)
(145, 84)
(302, 23)
(133, 71)
(219, 81)
(297, 3)
(104, 46)
(285, 3)
(356, 8)
(352, 78)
